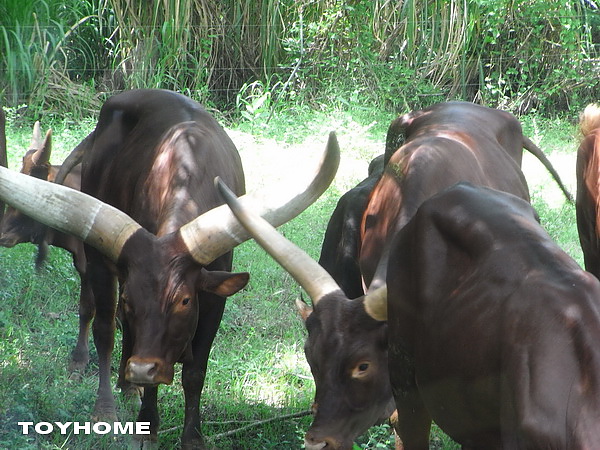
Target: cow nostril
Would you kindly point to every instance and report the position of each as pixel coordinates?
(139, 372)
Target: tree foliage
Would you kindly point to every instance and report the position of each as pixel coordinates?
(66, 55)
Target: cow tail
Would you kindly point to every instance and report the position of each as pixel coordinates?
(42, 254)
(539, 154)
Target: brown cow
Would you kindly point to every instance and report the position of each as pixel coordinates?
(587, 204)
(492, 328)
(17, 228)
(444, 144)
(154, 224)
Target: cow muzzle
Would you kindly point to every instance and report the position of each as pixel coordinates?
(148, 371)
(311, 442)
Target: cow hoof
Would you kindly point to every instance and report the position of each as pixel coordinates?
(77, 365)
(131, 393)
(75, 376)
(104, 412)
(145, 442)
(193, 444)
(132, 390)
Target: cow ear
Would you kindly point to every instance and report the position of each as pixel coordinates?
(222, 283)
(303, 309)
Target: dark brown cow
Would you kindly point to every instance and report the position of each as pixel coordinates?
(154, 224)
(345, 347)
(17, 228)
(444, 144)
(341, 243)
(492, 328)
(588, 188)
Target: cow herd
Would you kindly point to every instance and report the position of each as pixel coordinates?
(438, 296)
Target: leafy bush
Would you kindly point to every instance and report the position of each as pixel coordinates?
(522, 55)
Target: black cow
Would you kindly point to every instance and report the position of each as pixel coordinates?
(341, 244)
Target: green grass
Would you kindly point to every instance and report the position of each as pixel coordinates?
(257, 368)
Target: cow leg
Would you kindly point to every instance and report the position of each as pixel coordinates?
(414, 422)
(127, 388)
(81, 354)
(149, 413)
(194, 372)
(103, 285)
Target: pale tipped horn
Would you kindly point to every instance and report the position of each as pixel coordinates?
(217, 231)
(44, 149)
(376, 303)
(94, 222)
(36, 138)
(313, 278)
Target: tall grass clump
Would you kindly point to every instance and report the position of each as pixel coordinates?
(522, 55)
(197, 46)
(47, 50)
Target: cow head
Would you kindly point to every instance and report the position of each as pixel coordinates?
(16, 227)
(162, 314)
(163, 273)
(346, 346)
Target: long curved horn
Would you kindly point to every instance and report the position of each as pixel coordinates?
(216, 232)
(94, 222)
(313, 278)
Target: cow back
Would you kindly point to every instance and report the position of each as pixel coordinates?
(166, 185)
(425, 165)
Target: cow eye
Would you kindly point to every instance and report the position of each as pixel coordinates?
(361, 370)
